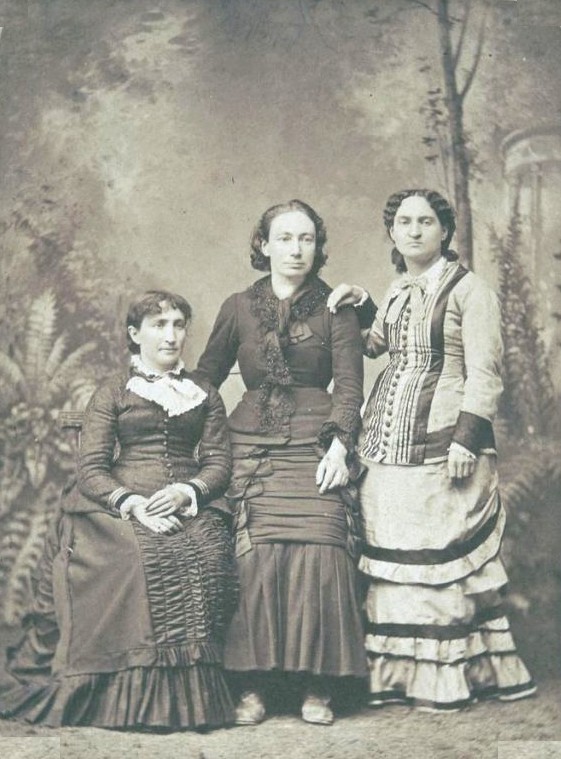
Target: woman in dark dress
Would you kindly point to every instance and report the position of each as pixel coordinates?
(141, 575)
(293, 444)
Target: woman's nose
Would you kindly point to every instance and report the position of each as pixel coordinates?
(415, 229)
(169, 333)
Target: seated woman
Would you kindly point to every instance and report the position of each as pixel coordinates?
(142, 573)
(437, 635)
(293, 443)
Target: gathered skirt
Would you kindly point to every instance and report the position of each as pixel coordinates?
(128, 627)
(299, 608)
(437, 635)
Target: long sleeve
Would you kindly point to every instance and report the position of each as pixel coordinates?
(483, 350)
(348, 375)
(366, 313)
(221, 350)
(214, 453)
(99, 439)
(373, 338)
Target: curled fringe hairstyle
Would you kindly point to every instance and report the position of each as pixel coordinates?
(153, 302)
(444, 213)
(261, 234)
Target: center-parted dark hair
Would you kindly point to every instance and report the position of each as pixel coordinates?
(444, 213)
(261, 234)
(150, 303)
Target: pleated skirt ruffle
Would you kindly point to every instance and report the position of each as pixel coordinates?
(436, 634)
(298, 612)
(141, 697)
(445, 658)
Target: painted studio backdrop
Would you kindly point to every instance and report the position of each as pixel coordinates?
(140, 141)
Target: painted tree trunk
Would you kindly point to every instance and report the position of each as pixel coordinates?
(459, 153)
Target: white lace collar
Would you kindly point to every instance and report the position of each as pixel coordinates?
(171, 390)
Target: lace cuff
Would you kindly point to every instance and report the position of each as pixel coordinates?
(330, 430)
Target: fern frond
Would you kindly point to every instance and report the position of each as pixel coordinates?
(13, 479)
(39, 339)
(68, 370)
(80, 394)
(12, 380)
(55, 356)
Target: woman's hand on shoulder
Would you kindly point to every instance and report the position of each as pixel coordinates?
(346, 295)
(156, 523)
(461, 462)
(332, 471)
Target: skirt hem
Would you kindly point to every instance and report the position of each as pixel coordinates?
(172, 698)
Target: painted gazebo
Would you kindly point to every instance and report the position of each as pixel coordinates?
(532, 162)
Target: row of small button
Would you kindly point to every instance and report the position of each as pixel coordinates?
(388, 411)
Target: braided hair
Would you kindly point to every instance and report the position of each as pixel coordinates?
(261, 234)
(444, 213)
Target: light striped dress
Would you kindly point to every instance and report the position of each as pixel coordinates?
(436, 635)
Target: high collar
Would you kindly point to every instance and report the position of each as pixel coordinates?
(139, 367)
(172, 390)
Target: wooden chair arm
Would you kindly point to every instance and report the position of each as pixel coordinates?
(71, 420)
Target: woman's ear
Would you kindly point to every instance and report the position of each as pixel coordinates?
(444, 233)
(264, 246)
(133, 334)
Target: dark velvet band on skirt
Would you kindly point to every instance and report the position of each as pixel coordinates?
(298, 612)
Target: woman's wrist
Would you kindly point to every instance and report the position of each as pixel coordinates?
(128, 507)
(190, 506)
(459, 448)
(338, 446)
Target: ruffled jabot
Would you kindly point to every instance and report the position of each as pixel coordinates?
(281, 323)
(171, 390)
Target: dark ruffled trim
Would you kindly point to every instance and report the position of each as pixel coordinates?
(485, 694)
(445, 673)
(347, 436)
(173, 698)
(399, 696)
(276, 401)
